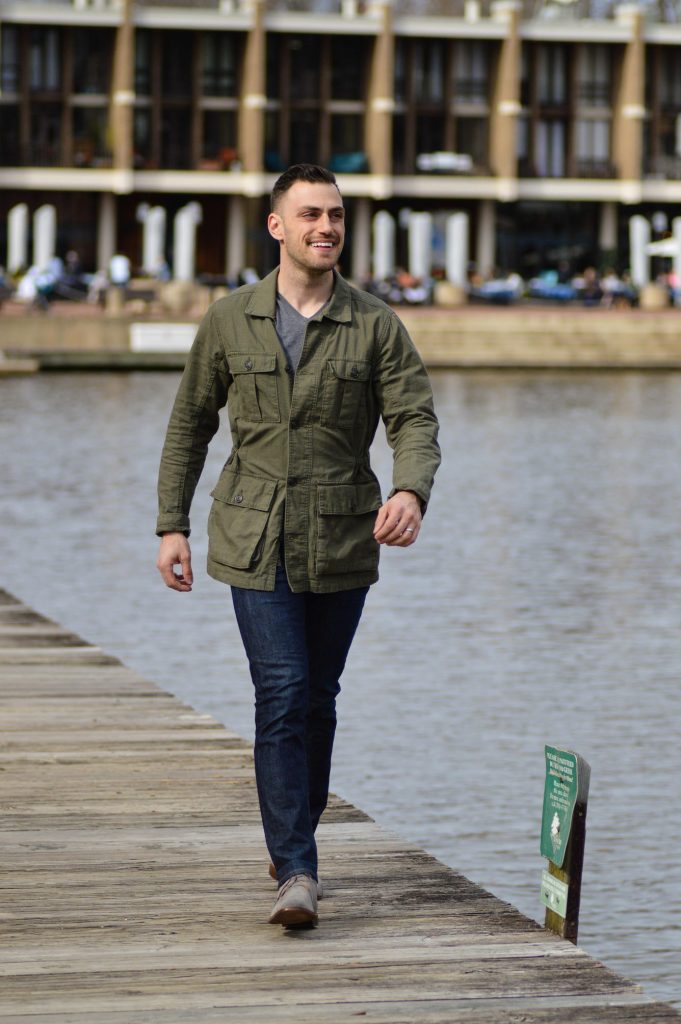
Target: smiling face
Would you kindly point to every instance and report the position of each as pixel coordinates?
(309, 224)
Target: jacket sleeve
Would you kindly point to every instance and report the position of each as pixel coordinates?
(193, 422)
(405, 401)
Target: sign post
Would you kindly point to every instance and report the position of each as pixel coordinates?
(563, 835)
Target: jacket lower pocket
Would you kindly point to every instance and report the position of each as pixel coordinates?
(238, 518)
(346, 514)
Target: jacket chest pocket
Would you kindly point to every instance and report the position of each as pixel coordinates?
(344, 391)
(255, 384)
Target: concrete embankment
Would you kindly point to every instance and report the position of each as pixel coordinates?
(470, 337)
(135, 884)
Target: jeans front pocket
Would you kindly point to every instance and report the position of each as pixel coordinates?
(344, 391)
(238, 518)
(255, 386)
(346, 514)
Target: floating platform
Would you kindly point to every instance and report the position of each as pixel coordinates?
(135, 886)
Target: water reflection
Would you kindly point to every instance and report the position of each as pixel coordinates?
(541, 604)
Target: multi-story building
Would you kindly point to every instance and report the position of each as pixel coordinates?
(548, 122)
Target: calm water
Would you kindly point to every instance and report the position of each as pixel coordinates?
(541, 604)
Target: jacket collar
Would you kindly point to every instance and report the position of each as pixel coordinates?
(263, 300)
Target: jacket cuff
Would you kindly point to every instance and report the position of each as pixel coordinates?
(172, 523)
(414, 490)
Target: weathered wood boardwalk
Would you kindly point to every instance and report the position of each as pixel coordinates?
(134, 880)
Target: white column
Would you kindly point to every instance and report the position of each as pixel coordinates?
(153, 220)
(457, 249)
(236, 236)
(676, 230)
(420, 244)
(106, 230)
(639, 260)
(486, 237)
(44, 235)
(361, 241)
(607, 227)
(17, 238)
(184, 241)
(384, 245)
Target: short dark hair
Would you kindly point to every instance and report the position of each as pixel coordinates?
(300, 172)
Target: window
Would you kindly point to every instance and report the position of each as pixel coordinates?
(44, 60)
(471, 72)
(471, 139)
(594, 75)
(304, 136)
(219, 136)
(45, 145)
(9, 136)
(348, 61)
(91, 60)
(219, 65)
(550, 149)
(304, 55)
(176, 66)
(175, 138)
(428, 71)
(142, 138)
(552, 75)
(671, 80)
(142, 63)
(9, 59)
(89, 137)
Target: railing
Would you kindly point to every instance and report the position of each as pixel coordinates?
(594, 94)
(666, 168)
(594, 168)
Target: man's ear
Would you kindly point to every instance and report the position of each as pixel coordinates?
(274, 226)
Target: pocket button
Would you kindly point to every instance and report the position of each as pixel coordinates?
(354, 372)
(248, 365)
(238, 499)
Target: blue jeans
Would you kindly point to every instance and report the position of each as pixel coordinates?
(296, 646)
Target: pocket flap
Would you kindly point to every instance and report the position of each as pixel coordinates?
(244, 491)
(246, 362)
(351, 369)
(349, 499)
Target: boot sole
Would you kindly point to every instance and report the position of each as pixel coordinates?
(295, 917)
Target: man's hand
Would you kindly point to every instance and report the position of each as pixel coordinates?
(174, 551)
(399, 520)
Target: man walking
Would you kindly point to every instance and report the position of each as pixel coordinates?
(306, 365)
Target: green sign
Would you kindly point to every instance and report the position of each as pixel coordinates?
(554, 894)
(560, 797)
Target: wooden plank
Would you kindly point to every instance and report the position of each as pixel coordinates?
(134, 882)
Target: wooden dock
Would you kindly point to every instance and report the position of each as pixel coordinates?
(135, 886)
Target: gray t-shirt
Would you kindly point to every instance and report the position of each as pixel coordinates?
(290, 326)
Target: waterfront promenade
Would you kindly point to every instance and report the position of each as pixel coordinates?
(76, 336)
(135, 888)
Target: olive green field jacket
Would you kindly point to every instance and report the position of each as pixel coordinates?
(299, 466)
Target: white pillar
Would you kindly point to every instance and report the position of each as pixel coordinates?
(676, 230)
(639, 261)
(486, 256)
(153, 219)
(44, 235)
(106, 230)
(384, 245)
(420, 244)
(184, 241)
(607, 228)
(236, 236)
(17, 238)
(361, 241)
(457, 249)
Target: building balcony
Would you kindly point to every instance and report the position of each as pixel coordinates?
(663, 168)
